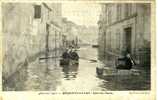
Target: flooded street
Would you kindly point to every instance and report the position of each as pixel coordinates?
(49, 76)
(63, 78)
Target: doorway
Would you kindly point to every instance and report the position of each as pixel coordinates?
(128, 38)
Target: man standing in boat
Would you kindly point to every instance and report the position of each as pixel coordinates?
(65, 58)
(65, 55)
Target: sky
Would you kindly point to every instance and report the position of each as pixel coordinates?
(81, 13)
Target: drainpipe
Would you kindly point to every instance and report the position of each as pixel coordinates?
(47, 39)
(104, 44)
(55, 50)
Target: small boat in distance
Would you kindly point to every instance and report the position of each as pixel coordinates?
(95, 45)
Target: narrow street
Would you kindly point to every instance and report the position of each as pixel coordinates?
(110, 39)
(45, 76)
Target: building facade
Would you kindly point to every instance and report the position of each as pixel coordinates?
(122, 27)
(70, 34)
(29, 29)
(50, 29)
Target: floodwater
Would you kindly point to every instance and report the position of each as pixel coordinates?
(49, 76)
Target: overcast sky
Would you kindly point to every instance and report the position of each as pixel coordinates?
(81, 13)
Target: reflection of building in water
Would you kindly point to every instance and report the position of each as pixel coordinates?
(124, 26)
(51, 78)
(42, 77)
(70, 71)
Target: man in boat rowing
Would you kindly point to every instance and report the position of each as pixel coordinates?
(74, 55)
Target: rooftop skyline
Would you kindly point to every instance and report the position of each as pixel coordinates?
(82, 13)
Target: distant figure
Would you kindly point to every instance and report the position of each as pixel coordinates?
(126, 62)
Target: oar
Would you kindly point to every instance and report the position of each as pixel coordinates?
(46, 58)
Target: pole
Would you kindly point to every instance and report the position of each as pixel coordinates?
(47, 39)
(55, 49)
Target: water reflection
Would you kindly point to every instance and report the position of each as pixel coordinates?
(16, 81)
(125, 82)
(70, 71)
(43, 76)
(46, 75)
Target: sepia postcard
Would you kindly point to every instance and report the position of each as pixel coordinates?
(78, 50)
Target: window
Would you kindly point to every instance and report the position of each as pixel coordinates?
(104, 40)
(109, 42)
(128, 10)
(37, 11)
(118, 41)
(118, 12)
(109, 17)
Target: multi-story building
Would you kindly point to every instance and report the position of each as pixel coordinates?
(28, 30)
(125, 26)
(17, 25)
(90, 32)
(50, 27)
(70, 33)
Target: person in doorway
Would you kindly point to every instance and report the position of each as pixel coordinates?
(126, 62)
